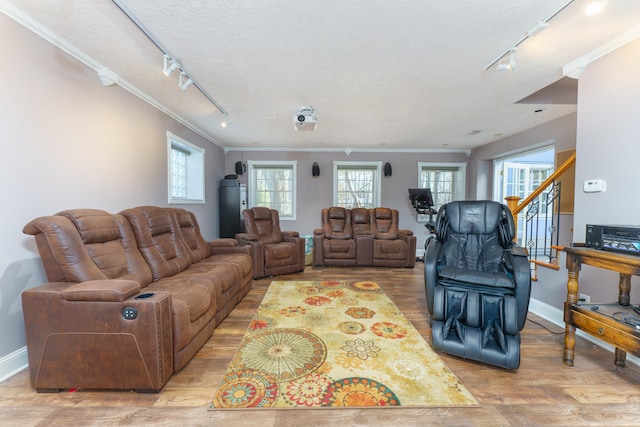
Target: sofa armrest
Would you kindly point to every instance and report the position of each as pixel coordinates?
(290, 234)
(227, 246)
(286, 237)
(64, 337)
(364, 247)
(405, 233)
(223, 243)
(101, 290)
(318, 232)
(246, 237)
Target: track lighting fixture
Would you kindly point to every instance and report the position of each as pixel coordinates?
(170, 65)
(185, 81)
(539, 26)
(503, 65)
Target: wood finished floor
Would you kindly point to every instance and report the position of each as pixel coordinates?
(542, 392)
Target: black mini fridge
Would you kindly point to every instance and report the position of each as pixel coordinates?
(231, 206)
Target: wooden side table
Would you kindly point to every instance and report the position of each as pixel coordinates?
(603, 321)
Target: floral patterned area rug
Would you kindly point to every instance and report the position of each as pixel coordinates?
(335, 344)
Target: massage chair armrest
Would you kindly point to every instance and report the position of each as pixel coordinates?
(432, 255)
(517, 261)
(318, 232)
(108, 290)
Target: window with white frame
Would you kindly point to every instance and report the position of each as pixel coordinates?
(356, 184)
(447, 181)
(185, 171)
(272, 184)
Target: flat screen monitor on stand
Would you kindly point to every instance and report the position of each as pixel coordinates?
(422, 202)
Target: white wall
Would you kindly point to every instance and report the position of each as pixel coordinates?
(608, 147)
(316, 193)
(68, 142)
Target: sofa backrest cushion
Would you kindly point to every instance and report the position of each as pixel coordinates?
(384, 223)
(159, 240)
(88, 244)
(198, 248)
(263, 223)
(360, 220)
(336, 223)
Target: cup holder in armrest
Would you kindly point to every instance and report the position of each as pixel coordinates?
(145, 295)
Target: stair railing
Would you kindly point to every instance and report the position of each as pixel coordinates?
(542, 218)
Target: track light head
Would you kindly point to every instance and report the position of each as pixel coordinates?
(185, 81)
(511, 64)
(170, 65)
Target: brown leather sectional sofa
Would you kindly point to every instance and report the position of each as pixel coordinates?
(362, 237)
(132, 296)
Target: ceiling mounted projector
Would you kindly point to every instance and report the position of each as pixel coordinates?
(305, 120)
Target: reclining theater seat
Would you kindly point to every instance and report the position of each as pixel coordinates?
(91, 327)
(334, 244)
(392, 247)
(273, 251)
(167, 240)
(477, 283)
(221, 251)
(76, 334)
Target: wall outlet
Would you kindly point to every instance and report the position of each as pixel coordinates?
(584, 298)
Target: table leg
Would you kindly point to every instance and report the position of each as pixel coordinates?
(624, 286)
(569, 344)
(572, 298)
(620, 358)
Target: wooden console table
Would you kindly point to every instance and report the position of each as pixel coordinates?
(603, 321)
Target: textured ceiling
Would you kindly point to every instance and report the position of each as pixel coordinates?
(380, 74)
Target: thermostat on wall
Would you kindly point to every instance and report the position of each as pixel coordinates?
(595, 185)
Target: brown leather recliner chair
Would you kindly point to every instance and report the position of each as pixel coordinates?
(334, 244)
(392, 247)
(273, 251)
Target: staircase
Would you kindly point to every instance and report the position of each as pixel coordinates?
(538, 217)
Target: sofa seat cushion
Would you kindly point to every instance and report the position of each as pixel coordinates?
(343, 249)
(242, 261)
(390, 249)
(280, 254)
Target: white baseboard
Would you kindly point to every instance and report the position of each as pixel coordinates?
(13, 363)
(556, 316)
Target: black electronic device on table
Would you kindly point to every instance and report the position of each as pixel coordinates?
(618, 238)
